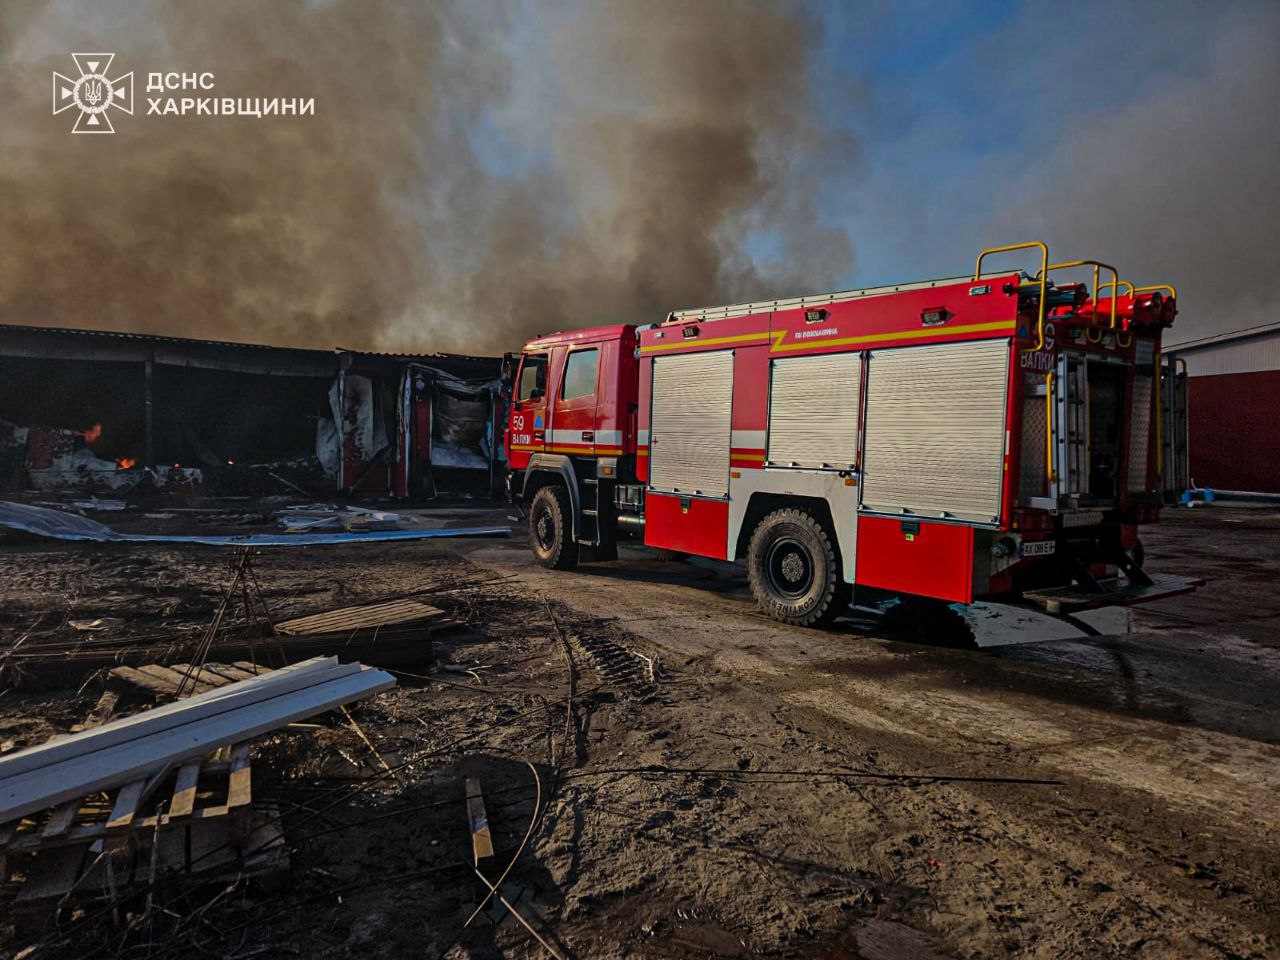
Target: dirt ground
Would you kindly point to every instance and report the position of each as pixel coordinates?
(777, 792)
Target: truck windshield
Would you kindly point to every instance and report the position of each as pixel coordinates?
(533, 377)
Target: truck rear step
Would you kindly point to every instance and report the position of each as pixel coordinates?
(1114, 593)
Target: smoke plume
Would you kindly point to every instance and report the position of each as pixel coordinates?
(1180, 184)
(474, 173)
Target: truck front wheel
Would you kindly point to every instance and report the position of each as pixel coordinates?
(550, 529)
(794, 571)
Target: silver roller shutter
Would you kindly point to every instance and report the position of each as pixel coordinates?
(813, 411)
(690, 424)
(935, 430)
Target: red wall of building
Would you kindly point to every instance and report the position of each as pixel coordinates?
(1234, 426)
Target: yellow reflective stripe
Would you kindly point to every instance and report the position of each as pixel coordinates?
(779, 346)
(688, 344)
(584, 448)
(778, 336)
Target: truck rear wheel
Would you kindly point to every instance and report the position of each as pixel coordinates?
(794, 571)
(550, 528)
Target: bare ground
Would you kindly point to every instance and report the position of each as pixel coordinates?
(780, 792)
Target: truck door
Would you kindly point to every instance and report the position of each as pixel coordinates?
(573, 415)
(528, 433)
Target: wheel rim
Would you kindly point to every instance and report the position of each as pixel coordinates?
(544, 529)
(789, 568)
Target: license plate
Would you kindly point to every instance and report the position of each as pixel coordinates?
(1038, 548)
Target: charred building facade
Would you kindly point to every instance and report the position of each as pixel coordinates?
(93, 410)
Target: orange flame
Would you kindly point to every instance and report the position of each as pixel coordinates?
(124, 463)
(90, 435)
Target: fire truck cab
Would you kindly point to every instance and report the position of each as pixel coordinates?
(992, 436)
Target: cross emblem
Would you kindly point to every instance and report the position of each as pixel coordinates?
(92, 92)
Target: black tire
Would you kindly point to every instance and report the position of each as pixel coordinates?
(794, 570)
(550, 528)
(931, 622)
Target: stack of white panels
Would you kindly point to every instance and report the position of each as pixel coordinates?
(135, 747)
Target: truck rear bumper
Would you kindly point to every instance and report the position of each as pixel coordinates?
(1114, 593)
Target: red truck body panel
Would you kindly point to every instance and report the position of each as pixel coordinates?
(935, 554)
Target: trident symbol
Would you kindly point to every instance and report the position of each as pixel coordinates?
(95, 92)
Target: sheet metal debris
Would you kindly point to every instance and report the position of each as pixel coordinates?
(141, 746)
(323, 516)
(68, 526)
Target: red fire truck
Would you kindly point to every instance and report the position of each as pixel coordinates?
(992, 436)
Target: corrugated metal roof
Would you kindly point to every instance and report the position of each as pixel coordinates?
(308, 353)
(1251, 350)
(146, 337)
(1232, 356)
(1261, 330)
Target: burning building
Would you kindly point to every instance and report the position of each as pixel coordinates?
(90, 410)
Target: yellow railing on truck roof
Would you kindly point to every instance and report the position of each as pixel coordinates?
(1044, 279)
(1097, 266)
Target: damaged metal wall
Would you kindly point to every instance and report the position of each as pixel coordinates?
(87, 410)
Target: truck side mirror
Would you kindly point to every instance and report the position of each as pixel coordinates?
(508, 375)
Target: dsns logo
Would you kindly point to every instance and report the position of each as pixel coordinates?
(93, 92)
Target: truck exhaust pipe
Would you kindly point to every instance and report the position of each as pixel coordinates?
(631, 523)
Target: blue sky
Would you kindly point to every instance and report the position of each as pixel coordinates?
(967, 109)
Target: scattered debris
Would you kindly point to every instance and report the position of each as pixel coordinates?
(481, 838)
(66, 526)
(618, 665)
(93, 503)
(348, 620)
(392, 633)
(191, 819)
(669, 822)
(180, 680)
(95, 624)
(482, 854)
(316, 517)
(136, 748)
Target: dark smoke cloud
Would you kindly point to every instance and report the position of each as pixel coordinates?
(474, 173)
(1181, 184)
(680, 129)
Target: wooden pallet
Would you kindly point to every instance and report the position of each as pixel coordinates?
(212, 787)
(164, 682)
(370, 616)
(391, 632)
(195, 822)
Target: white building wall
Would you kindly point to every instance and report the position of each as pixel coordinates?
(1250, 354)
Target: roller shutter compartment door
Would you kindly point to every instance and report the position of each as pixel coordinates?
(813, 411)
(935, 430)
(689, 429)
